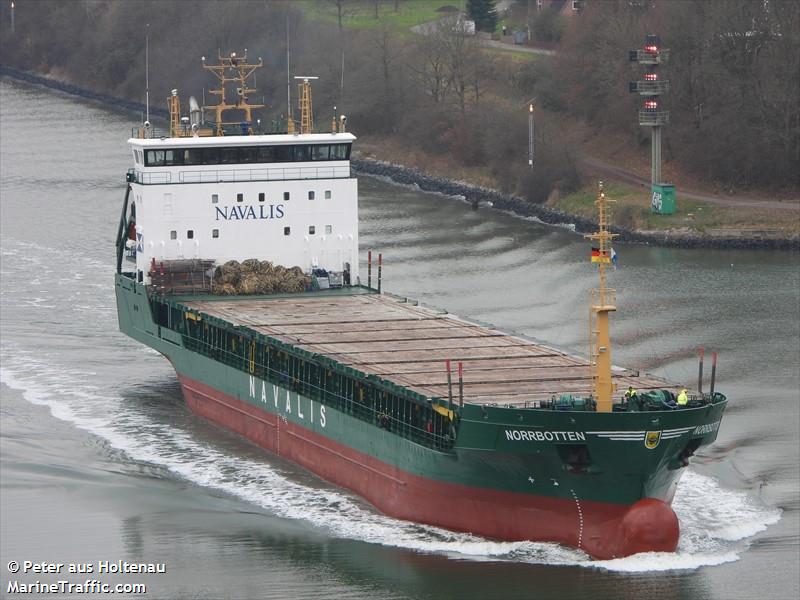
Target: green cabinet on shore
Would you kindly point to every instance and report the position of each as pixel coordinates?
(663, 199)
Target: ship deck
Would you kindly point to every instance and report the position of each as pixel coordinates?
(408, 344)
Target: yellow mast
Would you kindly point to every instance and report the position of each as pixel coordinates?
(174, 104)
(232, 69)
(603, 300)
(306, 108)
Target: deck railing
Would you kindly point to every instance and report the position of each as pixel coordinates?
(377, 415)
(226, 175)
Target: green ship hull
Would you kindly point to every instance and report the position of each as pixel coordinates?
(601, 482)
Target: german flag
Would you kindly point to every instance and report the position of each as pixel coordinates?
(600, 257)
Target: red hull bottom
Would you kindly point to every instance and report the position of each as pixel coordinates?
(600, 529)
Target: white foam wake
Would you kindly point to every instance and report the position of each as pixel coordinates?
(712, 532)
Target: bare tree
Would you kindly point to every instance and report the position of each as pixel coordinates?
(430, 67)
(461, 53)
(341, 10)
(389, 51)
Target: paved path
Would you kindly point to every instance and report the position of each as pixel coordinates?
(515, 47)
(612, 172)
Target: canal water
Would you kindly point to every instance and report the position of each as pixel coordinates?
(101, 461)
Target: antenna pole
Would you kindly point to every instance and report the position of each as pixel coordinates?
(530, 135)
(289, 121)
(341, 83)
(147, 71)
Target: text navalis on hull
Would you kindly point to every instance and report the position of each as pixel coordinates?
(237, 259)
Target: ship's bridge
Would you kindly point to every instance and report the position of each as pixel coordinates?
(171, 160)
(287, 198)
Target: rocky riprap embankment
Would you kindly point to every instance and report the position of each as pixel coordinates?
(507, 202)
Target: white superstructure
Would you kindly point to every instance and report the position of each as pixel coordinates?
(286, 198)
(223, 190)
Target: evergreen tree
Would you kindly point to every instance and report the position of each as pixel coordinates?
(484, 13)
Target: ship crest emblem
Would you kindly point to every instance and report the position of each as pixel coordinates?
(652, 439)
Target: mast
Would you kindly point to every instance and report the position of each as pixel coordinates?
(233, 69)
(306, 108)
(603, 300)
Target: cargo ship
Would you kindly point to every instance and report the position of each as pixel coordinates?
(238, 260)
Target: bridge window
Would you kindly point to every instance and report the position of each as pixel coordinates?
(327, 194)
(340, 151)
(266, 154)
(229, 156)
(328, 229)
(285, 195)
(311, 230)
(214, 198)
(240, 197)
(243, 154)
(173, 235)
(302, 153)
(310, 195)
(210, 156)
(320, 152)
(248, 154)
(215, 233)
(287, 230)
(154, 158)
(189, 234)
(261, 196)
(193, 156)
(283, 153)
(173, 157)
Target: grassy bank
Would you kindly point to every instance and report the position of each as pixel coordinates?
(361, 14)
(632, 211)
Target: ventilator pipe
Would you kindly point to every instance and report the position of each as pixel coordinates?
(380, 264)
(713, 372)
(700, 353)
(449, 385)
(461, 385)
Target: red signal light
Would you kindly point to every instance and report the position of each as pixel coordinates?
(652, 49)
(651, 104)
(651, 76)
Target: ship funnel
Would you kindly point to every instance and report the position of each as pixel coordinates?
(195, 115)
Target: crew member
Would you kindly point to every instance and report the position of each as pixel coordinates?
(683, 398)
(631, 397)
